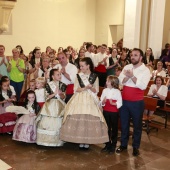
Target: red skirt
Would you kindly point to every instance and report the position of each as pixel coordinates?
(7, 122)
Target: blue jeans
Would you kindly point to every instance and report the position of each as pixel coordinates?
(134, 110)
(17, 87)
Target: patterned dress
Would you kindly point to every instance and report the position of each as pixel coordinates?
(83, 119)
(25, 128)
(50, 118)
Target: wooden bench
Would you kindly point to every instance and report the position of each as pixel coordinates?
(150, 105)
(166, 109)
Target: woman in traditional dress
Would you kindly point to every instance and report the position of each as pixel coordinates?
(83, 120)
(50, 118)
(25, 128)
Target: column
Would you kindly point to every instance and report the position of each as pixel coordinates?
(132, 23)
(156, 26)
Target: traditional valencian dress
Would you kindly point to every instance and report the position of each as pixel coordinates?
(50, 118)
(83, 120)
(25, 128)
(7, 119)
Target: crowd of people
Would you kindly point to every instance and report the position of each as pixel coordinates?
(59, 91)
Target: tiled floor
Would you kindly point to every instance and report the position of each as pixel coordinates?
(154, 155)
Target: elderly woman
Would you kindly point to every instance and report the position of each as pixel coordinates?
(159, 71)
(16, 69)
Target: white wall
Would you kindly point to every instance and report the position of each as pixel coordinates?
(166, 30)
(108, 12)
(50, 22)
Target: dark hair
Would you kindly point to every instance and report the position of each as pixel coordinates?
(104, 45)
(4, 78)
(114, 81)
(139, 50)
(3, 81)
(167, 45)
(26, 99)
(110, 50)
(19, 46)
(88, 45)
(160, 78)
(34, 51)
(119, 69)
(52, 73)
(89, 62)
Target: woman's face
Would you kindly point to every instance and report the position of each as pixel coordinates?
(15, 53)
(84, 67)
(158, 81)
(45, 63)
(81, 53)
(114, 52)
(57, 76)
(37, 54)
(159, 65)
(148, 52)
(31, 97)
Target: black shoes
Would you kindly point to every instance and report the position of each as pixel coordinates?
(135, 152)
(110, 149)
(120, 149)
(105, 149)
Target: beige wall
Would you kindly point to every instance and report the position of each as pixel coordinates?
(108, 12)
(166, 30)
(51, 22)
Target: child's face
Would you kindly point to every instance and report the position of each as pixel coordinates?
(108, 84)
(39, 85)
(31, 98)
(32, 86)
(118, 73)
(5, 86)
(57, 76)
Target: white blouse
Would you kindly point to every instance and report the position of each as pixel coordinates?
(163, 90)
(113, 94)
(40, 95)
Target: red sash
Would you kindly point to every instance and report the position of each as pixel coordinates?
(41, 104)
(110, 108)
(132, 94)
(69, 89)
(100, 68)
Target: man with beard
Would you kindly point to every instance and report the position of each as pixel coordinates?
(134, 78)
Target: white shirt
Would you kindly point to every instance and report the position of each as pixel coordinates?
(99, 57)
(142, 74)
(113, 94)
(13, 90)
(88, 54)
(163, 90)
(40, 72)
(71, 70)
(40, 95)
(161, 73)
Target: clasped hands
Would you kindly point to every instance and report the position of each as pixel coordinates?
(110, 100)
(128, 73)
